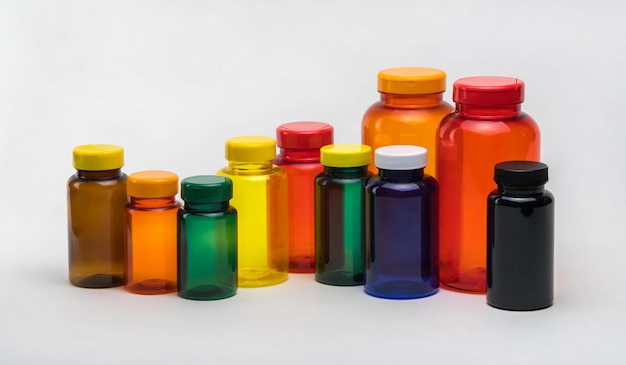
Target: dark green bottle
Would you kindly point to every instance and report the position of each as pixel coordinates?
(339, 214)
(207, 239)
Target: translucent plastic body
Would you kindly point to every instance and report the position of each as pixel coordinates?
(96, 201)
(340, 225)
(520, 249)
(301, 206)
(401, 235)
(259, 195)
(471, 141)
(207, 251)
(151, 245)
(405, 120)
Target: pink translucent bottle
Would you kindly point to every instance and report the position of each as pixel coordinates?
(299, 157)
(487, 127)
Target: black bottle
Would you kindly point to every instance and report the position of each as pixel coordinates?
(520, 238)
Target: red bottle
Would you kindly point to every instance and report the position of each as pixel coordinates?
(299, 157)
(487, 127)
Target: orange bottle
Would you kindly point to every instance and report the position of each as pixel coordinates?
(487, 127)
(410, 109)
(150, 261)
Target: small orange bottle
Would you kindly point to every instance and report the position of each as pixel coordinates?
(150, 261)
(410, 109)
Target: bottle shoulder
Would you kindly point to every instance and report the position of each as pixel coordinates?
(536, 200)
(378, 113)
(427, 185)
(76, 182)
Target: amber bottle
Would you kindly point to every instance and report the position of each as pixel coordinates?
(96, 196)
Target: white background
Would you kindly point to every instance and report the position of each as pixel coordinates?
(172, 80)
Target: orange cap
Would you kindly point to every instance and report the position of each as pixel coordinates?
(411, 81)
(152, 184)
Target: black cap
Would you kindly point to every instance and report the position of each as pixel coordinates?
(521, 173)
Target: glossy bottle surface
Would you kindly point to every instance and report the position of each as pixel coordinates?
(207, 239)
(259, 195)
(410, 109)
(520, 245)
(340, 216)
(96, 201)
(96, 197)
(299, 156)
(471, 141)
(150, 262)
(401, 240)
(207, 254)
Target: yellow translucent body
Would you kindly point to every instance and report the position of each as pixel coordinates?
(259, 195)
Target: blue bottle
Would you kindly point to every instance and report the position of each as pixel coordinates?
(401, 207)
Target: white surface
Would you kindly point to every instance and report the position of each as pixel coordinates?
(400, 157)
(171, 81)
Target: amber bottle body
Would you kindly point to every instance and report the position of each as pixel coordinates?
(96, 201)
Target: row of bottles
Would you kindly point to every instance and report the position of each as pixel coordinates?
(313, 207)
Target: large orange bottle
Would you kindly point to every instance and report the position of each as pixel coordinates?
(487, 127)
(150, 261)
(410, 109)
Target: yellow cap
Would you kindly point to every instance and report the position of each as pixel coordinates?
(250, 149)
(411, 81)
(152, 184)
(345, 155)
(98, 157)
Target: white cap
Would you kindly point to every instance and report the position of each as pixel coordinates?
(400, 157)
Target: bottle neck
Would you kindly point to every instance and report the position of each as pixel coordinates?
(249, 168)
(299, 155)
(99, 175)
(473, 111)
(345, 172)
(194, 207)
(153, 203)
(400, 101)
(401, 175)
(521, 191)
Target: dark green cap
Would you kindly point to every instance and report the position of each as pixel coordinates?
(206, 189)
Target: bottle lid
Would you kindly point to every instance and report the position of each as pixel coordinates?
(206, 189)
(250, 149)
(304, 135)
(411, 81)
(400, 157)
(152, 184)
(488, 90)
(345, 155)
(521, 173)
(98, 157)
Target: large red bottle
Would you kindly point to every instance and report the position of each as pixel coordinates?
(487, 127)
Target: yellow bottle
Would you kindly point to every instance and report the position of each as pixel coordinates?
(260, 197)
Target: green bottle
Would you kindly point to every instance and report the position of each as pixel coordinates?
(207, 239)
(339, 214)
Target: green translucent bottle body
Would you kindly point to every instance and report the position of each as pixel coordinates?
(207, 251)
(339, 228)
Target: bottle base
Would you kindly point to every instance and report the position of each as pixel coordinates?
(255, 278)
(207, 292)
(472, 281)
(302, 264)
(520, 308)
(98, 281)
(401, 289)
(151, 287)
(340, 278)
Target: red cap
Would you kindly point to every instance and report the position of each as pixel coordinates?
(488, 90)
(304, 135)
